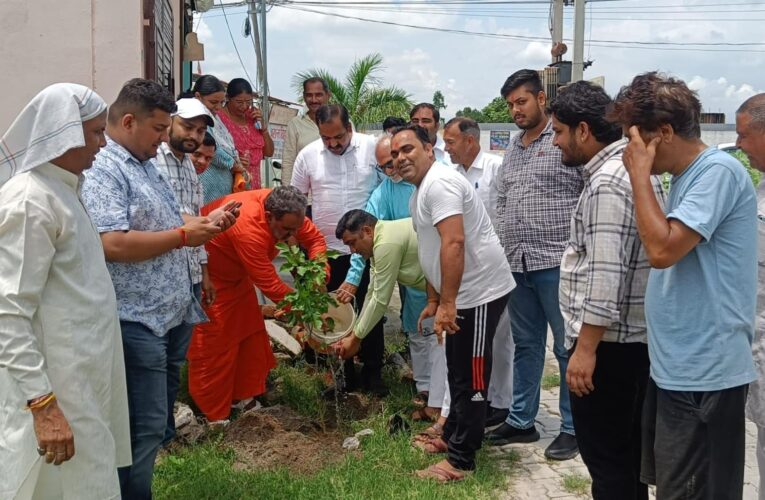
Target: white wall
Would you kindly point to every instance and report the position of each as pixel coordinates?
(97, 43)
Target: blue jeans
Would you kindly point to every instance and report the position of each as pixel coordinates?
(173, 377)
(152, 367)
(533, 305)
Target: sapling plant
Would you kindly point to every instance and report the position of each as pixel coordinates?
(307, 305)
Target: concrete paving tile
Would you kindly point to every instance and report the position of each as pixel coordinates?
(533, 477)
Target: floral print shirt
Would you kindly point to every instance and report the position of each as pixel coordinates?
(122, 193)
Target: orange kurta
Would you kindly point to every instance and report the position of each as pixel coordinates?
(230, 356)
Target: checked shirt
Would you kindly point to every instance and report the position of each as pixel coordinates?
(604, 270)
(536, 195)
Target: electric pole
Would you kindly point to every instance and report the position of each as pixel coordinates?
(577, 66)
(557, 26)
(256, 9)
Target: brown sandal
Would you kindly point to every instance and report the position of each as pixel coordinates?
(441, 474)
(432, 446)
(434, 431)
(421, 414)
(420, 399)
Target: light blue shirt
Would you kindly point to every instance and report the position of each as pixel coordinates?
(390, 201)
(122, 193)
(700, 312)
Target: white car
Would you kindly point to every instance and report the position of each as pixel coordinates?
(728, 147)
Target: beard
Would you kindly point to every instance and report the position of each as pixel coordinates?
(183, 144)
(575, 157)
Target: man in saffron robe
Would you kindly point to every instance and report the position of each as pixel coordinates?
(230, 357)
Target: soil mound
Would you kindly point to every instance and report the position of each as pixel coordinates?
(277, 437)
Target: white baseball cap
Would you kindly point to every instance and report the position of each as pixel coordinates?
(191, 108)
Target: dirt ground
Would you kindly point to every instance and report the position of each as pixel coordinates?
(277, 437)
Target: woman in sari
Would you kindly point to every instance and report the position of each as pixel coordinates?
(245, 123)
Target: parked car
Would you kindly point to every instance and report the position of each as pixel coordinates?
(728, 147)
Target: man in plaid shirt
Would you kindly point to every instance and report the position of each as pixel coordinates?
(603, 279)
(174, 164)
(537, 195)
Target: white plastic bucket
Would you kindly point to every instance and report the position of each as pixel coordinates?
(344, 317)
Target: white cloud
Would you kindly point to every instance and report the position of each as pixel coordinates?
(536, 52)
(697, 83)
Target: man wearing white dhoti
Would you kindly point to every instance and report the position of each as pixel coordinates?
(63, 404)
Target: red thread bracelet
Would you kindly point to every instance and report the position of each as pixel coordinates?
(183, 237)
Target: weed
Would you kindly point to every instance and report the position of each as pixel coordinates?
(550, 380)
(576, 484)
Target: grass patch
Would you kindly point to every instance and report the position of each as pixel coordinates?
(382, 468)
(301, 390)
(550, 380)
(576, 484)
(396, 342)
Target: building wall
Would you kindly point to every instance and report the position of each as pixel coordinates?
(711, 134)
(98, 43)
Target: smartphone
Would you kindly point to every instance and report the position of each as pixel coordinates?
(234, 206)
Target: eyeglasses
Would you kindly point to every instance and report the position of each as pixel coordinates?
(386, 166)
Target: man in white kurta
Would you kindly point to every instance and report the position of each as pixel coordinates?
(59, 331)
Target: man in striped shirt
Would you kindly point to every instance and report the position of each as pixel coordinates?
(603, 277)
(173, 160)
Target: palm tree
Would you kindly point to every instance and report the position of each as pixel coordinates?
(362, 93)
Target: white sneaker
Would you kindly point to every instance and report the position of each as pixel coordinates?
(247, 404)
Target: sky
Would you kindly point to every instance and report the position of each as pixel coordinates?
(469, 69)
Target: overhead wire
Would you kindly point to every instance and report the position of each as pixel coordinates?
(501, 11)
(458, 10)
(238, 55)
(634, 44)
(597, 43)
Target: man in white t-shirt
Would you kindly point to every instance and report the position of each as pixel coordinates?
(468, 282)
(462, 137)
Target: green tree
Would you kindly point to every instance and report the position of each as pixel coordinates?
(438, 100)
(496, 112)
(754, 174)
(361, 92)
(475, 114)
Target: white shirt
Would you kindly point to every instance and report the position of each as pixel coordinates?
(756, 401)
(337, 183)
(59, 332)
(439, 150)
(442, 194)
(482, 175)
